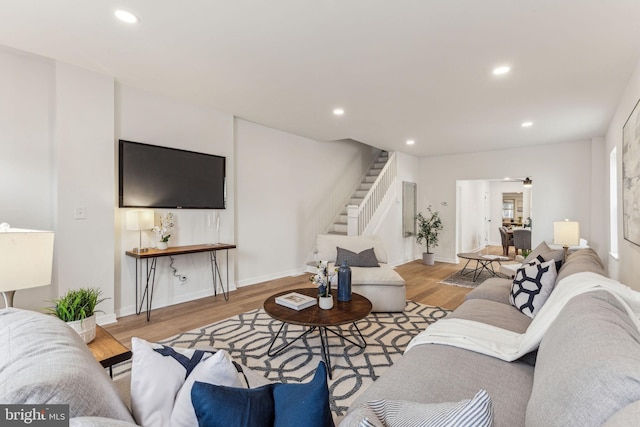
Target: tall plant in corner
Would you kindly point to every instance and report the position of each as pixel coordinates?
(429, 227)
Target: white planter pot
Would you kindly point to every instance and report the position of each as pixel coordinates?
(163, 245)
(85, 328)
(326, 303)
(428, 258)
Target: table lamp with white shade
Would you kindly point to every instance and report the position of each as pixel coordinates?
(26, 260)
(566, 233)
(140, 220)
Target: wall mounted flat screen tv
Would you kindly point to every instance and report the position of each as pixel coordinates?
(151, 176)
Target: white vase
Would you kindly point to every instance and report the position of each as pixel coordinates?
(86, 328)
(163, 245)
(326, 303)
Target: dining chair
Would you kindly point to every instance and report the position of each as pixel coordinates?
(521, 239)
(507, 240)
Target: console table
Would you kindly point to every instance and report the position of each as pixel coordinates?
(154, 254)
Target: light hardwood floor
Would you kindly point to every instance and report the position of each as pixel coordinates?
(421, 281)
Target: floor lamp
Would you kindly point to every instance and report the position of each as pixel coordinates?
(566, 233)
(26, 260)
(138, 221)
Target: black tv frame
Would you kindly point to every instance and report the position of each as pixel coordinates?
(174, 170)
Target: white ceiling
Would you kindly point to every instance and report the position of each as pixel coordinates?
(418, 69)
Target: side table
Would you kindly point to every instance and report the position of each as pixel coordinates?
(107, 350)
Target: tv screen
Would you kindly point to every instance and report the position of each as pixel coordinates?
(161, 177)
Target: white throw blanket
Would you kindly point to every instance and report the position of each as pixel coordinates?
(507, 345)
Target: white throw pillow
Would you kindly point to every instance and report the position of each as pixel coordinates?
(532, 286)
(217, 369)
(158, 373)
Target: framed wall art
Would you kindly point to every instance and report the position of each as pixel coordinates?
(631, 177)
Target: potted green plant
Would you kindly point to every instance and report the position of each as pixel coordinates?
(78, 308)
(429, 227)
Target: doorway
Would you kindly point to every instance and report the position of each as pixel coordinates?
(479, 211)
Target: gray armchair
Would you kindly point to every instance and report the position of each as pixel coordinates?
(521, 239)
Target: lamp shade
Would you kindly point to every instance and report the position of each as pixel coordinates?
(26, 259)
(566, 233)
(140, 220)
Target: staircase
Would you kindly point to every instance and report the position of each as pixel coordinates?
(339, 225)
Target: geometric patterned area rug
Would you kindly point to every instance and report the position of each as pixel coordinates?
(247, 337)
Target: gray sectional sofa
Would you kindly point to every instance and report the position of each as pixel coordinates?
(46, 362)
(586, 371)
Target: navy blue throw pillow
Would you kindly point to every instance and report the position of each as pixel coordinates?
(277, 405)
(303, 404)
(221, 406)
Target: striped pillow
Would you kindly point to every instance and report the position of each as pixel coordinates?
(477, 412)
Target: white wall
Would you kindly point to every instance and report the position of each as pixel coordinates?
(627, 266)
(57, 143)
(471, 219)
(399, 249)
(562, 187)
(27, 190)
(85, 178)
(283, 184)
(154, 119)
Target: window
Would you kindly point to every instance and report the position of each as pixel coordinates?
(507, 209)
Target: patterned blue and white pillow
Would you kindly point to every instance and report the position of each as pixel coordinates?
(476, 412)
(532, 286)
(159, 373)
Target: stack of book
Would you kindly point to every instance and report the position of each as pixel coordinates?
(295, 301)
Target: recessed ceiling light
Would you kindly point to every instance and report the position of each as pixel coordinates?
(125, 16)
(504, 69)
(338, 111)
(410, 142)
(527, 124)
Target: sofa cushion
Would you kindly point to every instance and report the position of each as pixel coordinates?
(493, 313)
(62, 371)
(476, 412)
(98, 422)
(366, 258)
(384, 275)
(532, 286)
(434, 373)
(579, 261)
(587, 367)
(493, 289)
(627, 416)
(326, 246)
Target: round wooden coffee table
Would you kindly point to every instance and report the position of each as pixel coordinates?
(316, 318)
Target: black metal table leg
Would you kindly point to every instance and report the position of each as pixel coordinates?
(286, 344)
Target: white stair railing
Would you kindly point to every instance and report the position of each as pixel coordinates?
(358, 217)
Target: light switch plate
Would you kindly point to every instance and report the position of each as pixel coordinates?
(81, 212)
